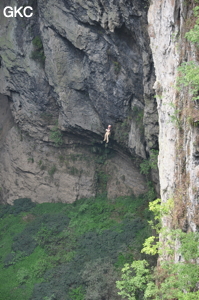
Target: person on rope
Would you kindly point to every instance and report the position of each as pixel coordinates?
(107, 134)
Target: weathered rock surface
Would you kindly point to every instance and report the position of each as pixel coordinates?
(178, 141)
(84, 64)
(166, 59)
(45, 173)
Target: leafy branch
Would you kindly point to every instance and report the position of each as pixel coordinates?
(169, 280)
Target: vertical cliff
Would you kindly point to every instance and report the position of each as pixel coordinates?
(178, 113)
(68, 72)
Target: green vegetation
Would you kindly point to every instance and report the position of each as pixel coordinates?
(193, 34)
(56, 136)
(138, 114)
(151, 194)
(102, 155)
(169, 280)
(21, 205)
(174, 116)
(77, 293)
(41, 165)
(101, 180)
(189, 71)
(117, 67)
(189, 76)
(135, 278)
(38, 52)
(31, 160)
(52, 170)
(148, 164)
(103, 288)
(69, 251)
(122, 130)
(145, 168)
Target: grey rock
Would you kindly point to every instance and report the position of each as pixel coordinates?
(93, 62)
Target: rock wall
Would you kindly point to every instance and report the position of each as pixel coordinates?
(178, 137)
(47, 174)
(75, 67)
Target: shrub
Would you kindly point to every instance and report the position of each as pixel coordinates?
(20, 205)
(55, 222)
(41, 266)
(189, 76)
(99, 232)
(99, 277)
(77, 293)
(108, 243)
(145, 167)
(23, 275)
(41, 231)
(38, 52)
(11, 259)
(135, 278)
(56, 136)
(149, 164)
(24, 242)
(193, 34)
(189, 71)
(169, 280)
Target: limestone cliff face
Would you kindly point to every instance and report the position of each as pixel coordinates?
(178, 156)
(81, 65)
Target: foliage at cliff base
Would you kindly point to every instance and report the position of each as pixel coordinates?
(69, 251)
